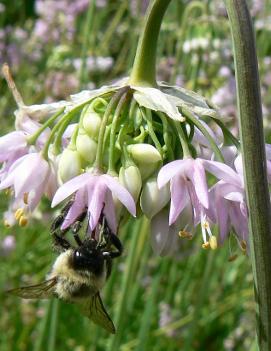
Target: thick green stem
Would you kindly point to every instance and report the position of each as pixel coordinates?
(254, 161)
(143, 71)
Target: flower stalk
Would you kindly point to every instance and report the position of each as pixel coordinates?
(254, 160)
(143, 72)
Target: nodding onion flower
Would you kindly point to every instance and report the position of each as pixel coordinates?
(126, 150)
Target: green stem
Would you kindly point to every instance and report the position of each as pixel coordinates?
(112, 145)
(144, 67)
(254, 161)
(109, 109)
(87, 35)
(148, 117)
(33, 138)
(182, 138)
(205, 132)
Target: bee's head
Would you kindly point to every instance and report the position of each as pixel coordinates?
(89, 259)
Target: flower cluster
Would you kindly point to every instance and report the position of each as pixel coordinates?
(126, 150)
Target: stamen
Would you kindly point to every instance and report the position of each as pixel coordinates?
(243, 246)
(18, 213)
(206, 245)
(232, 258)
(185, 234)
(25, 198)
(23, 221)
(7, 224)
(213, 242)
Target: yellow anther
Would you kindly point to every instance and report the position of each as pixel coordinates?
(26, 198)
(243, 246)
(18, 213)
(232, 258)
(206, 245)
(7, 224)
(23, 221)
(205, 225)
(185, 234)
(213, 242)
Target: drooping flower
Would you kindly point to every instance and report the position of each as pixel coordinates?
(188, 186)
(94, 192)
(29, 176)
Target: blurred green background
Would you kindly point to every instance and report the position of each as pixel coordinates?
(197, 300)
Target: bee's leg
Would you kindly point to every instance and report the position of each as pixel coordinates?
(60, 219)
(60, 243)
(115, 241)
(76, 228)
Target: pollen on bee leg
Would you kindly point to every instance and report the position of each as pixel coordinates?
(25, 198)
(23, 221)
(185, 234)
(18, 213)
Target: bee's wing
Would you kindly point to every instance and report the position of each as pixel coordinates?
(95, 310)
(43, 290)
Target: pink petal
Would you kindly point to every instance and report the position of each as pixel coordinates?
(120, 192)
(31, 173)
(96, 199)
(179, 196)
(222, 217)
(109, 212)
(238, 164)
(235, 196)
(159, 231)
(221, 171)
(78, 206)
(169, 171)
(71, 186)
(12, 142)
(198, 178)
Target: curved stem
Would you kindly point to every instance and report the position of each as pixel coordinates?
(205, 132)
(110, 108)
(143, 71)
(111, 163)
(254, 160)
(182, 138)
(33, 138)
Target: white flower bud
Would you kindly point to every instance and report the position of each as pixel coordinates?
(147, 169)
(130, 178)
(144, 153)
(91, 123)
(152, 199)
(86, 147)
(69, 165)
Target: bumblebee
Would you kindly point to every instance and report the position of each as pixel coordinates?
(80, 271)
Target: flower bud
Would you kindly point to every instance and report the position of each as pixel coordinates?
(69, 165)
(91, 123)
(147, 169)
(144, 153)
(86, 147)
(152, 199)
(130, 177)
